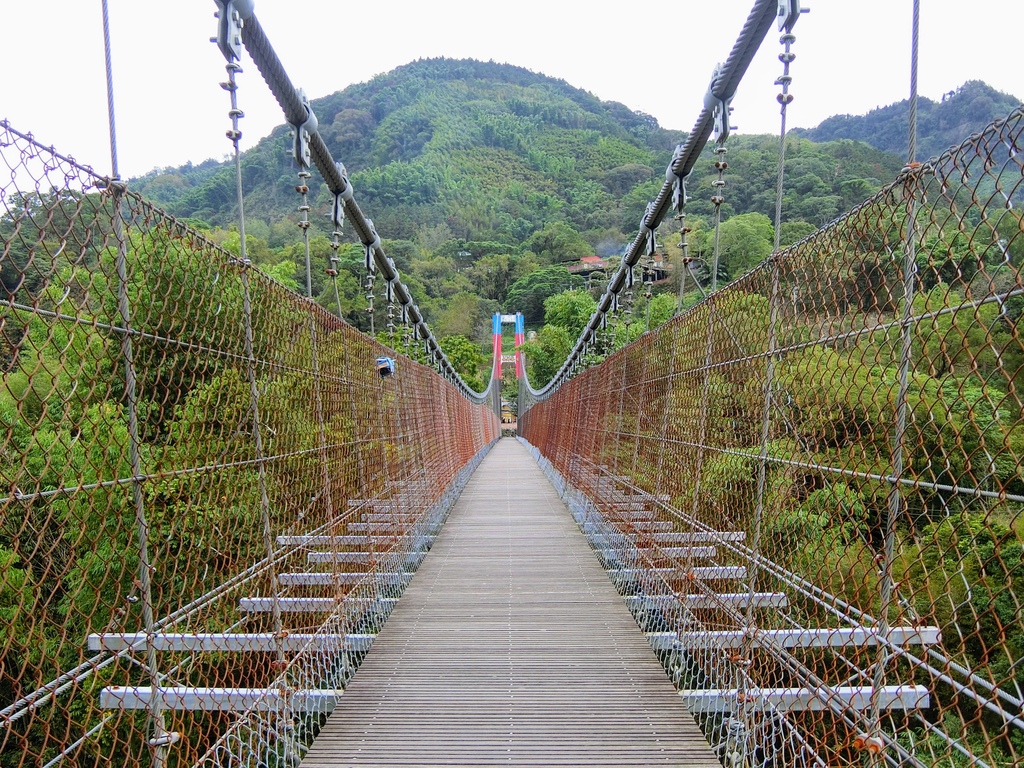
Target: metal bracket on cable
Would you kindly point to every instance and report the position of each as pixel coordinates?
(371, 267)
(648, 232)
(679, 197)
(338, 209)
(720, 106)
(375, 240)
(300, 148)
(231, 14)
(789, 12)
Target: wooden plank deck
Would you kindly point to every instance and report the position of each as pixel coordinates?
(510, 647)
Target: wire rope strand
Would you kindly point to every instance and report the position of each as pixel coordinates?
(896, 501)
(915, 34)
(108, 61)
(155, 715)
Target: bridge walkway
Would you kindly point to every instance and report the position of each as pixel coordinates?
(510, 647)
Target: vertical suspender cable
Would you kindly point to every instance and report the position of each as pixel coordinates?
(887, 586)
(110, 91)
(160, 738)
(915, 34)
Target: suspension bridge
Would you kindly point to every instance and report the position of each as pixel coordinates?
(783, 529)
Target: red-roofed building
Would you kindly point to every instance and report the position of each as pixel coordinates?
(588, 264)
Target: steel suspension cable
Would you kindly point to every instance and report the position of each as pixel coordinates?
(161, 738)
(727, 78)
(299, 115)
(896, 501)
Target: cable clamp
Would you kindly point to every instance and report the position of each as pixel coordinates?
(371, 246)
(340, 198)
(300, 148)
(230, 16)
(871, 744)
(720, 106)
(789, 12)
(670, 174)
(375, 238)
(165, 739)
(647, 231)
(679, 196)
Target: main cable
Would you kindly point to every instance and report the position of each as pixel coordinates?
(723, 86)
(299, 115)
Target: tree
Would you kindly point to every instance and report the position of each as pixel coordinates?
(492, 275)
(462, 316)
(546, 352)
(527, 294)
(466, 358)
(570, 310)
(662, 308)
(558, 243)
(745, 240)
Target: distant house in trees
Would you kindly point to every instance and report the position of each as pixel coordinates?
(588, 264)
(655, 268)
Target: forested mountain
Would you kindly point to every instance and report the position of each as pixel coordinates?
(486, 180)
(941, 124)
(478, 174)
(496, 153)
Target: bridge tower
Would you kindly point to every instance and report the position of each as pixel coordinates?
(519, 323)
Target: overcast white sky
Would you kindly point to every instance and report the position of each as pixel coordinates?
(655, 56)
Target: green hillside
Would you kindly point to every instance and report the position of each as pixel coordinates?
(496, 153)
(480, 174)
(941, 124)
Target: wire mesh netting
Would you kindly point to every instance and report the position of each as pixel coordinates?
(809, 486)
(209, 499)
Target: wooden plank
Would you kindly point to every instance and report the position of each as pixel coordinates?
(510, 647)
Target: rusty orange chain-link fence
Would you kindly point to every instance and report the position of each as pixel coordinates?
(209, 499)
(810, 485)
